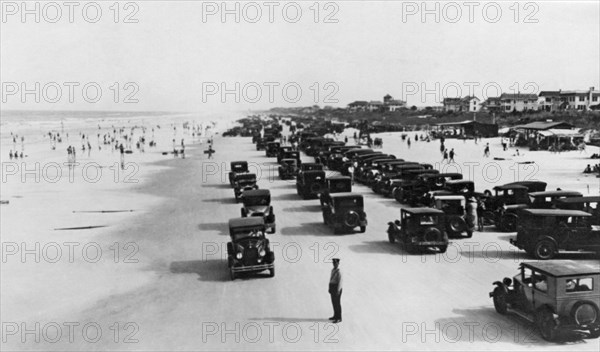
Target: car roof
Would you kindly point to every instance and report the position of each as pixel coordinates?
(528, 183)
(423, 171)
(249, 221)
(587, 199)
(245, 176)
(257, 193)
(511, 186)
(423, 210)
(555, 212)
(450, 197)
(346, 195)
(555, 193)
(560, 268)
(339, 178)
(288, 160)
(313, 172)
(458, 182)
(444, 174)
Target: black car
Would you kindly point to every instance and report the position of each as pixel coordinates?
(237, 167)
(282, 150)
(309, 184)
(344, 212)
(272, 149)
(244, 182)
(419, 228)
(335, 184)
(288, 169)
(249, 250)
(258, 203)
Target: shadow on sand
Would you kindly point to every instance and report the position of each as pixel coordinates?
(215, 226)
(484, 324)
(226, 200)
(207, 270)
(308, 228)
(292, 320)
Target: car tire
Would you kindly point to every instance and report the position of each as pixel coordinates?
(244, 213)
(351, 219)
(545, 249)
(272, 272)
(363, 229)
(499, 298)
(231, 274)
(456, 224)
(545, 323)
(433, 234)
(443, 249)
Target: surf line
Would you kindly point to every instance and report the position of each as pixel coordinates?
(104, 211)
(80, 227)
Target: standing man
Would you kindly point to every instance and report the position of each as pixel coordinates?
(335, 290)
(486, 151)
(451, 156)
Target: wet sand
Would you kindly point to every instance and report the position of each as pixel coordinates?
(178, 296)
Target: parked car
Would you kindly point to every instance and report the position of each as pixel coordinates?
(419, 228)
(237, 167)
(282, 150)
(309, 184)
(249, 249)
(345, 211)
(293, 155)
(548, 199)
(272, 149)
(554, 295)
(288, 169)
(415, 192)
(335, 184)
(454, 207)
(502, 207)
(588, 204)
(543, 232)
(244, 182)
(258, 203)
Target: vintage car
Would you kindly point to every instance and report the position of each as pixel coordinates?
(501, 209)
(288, 169)
(543, 232)
(309, 184)
(383, 182)
(410, 178)
(547, 199)
(588, 204)
(258, 203)
(454, 206)
(242, 183)
(293, 155)
(414, 193)
(237, 167)
(249, 249)
(344, 212)
(419, 228)
(272, 149)
(335, 184)
(556, 296)
(261, 143)
(310, 167)
(282, 149)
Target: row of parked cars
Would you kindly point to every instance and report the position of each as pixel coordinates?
(554, 295)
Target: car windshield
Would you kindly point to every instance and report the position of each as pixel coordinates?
(427, 220)
(250, 201)
(246, 234)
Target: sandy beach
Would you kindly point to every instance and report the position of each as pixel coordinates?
(162, 283)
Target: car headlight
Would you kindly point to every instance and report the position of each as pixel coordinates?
(262, 253)
(239, 255)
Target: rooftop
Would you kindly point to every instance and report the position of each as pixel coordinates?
(558, 268)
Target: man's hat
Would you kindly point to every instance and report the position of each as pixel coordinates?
(336, 260)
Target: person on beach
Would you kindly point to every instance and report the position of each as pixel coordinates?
(408, 142)
(182, 149)
(10, 155)
(451, 155)
(445, 155)
(486, 151)
(346, 139)
(89, 146)
(335, 291)
(442, 148)
(122, 151)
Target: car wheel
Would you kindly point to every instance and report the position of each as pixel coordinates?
(443, 249)
(231, 274)
(244, 213)
(546, 324)
(272, 272)
(545, 249)
(363, 229)
(351, 219)
(499, 297)
(273, 229)
(457, 224)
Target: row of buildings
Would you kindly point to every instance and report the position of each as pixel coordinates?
(574, 100)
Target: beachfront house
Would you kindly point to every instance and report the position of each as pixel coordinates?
(580, 100)
(492, 105)
(466, 104)
(358, 105)
(518, 102)
(391, 104)
(375, 105)
(550, 100)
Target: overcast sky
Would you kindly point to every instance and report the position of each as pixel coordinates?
(180, 55)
